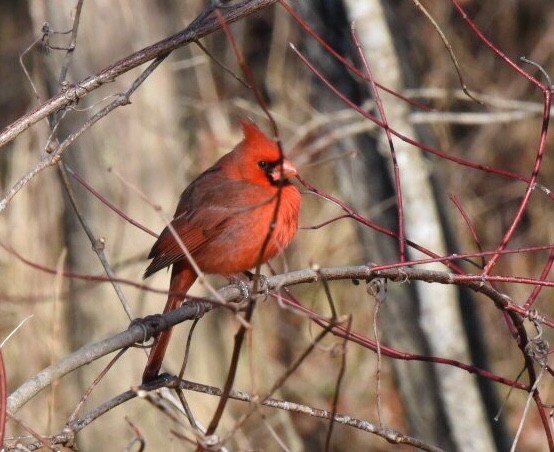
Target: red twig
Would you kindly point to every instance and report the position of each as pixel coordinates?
(81, 276)
(241, 333)
(342, 331)
(386, 128)
(422, 146)
(495, 49)
(544, 274)
(544, 419)
(107, 203)
(344, 61)
(356, 216)
(547, 92)
(532, 181)
(469, 223)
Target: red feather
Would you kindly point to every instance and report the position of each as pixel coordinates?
(223, 218)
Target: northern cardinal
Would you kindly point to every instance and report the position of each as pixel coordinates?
(223, 218)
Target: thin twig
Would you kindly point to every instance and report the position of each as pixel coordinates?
(139, 333)
(54, 156)
(15, 330)
(26, 71)
(42, 441)
(222, 65)
(526, 410)
(387, 129)
(328, 295)
(186, 408)
(97, 244)
(239, 339)
(72, 43)
(336, 395)
(138, 438)
(375, 289)
(187, 349)
(180, 394)
(72, 94)
(107, 203)
(470, 225)
(448, 47)
(56, 327)
(97, 380)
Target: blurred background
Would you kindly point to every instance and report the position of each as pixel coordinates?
(185, 116)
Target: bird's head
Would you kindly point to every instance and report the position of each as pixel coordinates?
(257, 159)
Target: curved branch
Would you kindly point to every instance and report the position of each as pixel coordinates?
(192, 310)
(91, 352)
(391, 435)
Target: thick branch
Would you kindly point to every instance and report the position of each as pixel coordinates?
(140, 333)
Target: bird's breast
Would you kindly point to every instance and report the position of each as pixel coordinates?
(243, 240)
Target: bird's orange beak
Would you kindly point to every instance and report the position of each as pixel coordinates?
(284, 171)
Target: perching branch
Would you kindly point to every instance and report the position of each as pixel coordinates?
(192, 310)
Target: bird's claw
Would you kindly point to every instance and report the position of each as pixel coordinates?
(244, 288)
(263, 285)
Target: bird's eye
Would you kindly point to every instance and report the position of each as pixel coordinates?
(264, 165)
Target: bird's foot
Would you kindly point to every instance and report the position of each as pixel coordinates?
(263, 283)
(242, 285)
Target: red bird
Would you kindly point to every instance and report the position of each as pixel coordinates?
(223, 218)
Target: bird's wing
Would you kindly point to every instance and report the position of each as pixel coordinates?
(204, 211)
(195, 229)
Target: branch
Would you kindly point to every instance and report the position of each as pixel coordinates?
(91, 352)
(192, 310)
(391, 435)
(196, 30)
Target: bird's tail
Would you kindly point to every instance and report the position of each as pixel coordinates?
(182, 277)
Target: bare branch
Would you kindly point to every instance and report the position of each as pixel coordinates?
(192, 310)
(195, 31)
